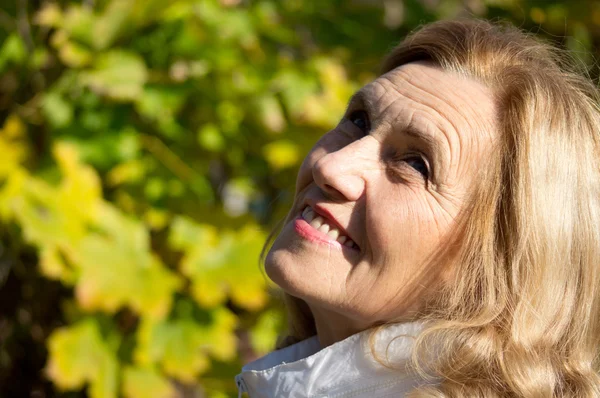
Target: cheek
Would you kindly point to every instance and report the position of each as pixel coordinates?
(405, 223)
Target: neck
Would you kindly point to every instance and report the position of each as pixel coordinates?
(333, 327)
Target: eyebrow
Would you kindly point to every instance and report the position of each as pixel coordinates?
(360, 97)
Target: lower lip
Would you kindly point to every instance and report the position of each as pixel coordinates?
(309, 233)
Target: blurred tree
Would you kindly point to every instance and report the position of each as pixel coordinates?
(148, 146)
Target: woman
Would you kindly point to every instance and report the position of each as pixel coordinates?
(444, 240)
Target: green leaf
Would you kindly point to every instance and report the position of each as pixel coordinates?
(74, 55)
(57, 110)
(78, 355)
(221, 265)
(13, 51)
(111, 22)
(78, 22)
(210, 138)
(181, 347)
(118, 74)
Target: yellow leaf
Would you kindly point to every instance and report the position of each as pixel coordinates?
(11, 192)
(45, 217)
(325, 109)
(131, 171)
(118, 269)
(80, 188)
(156, 219)
(221, 265)
(59, 216)
(49, 15)
(74, 55)
(264, 334)
(181, 346)
(53, 266)
(14, 128)
(281, 154)
(271, 114)
(78, 355)
(146, 383)
(12, 145)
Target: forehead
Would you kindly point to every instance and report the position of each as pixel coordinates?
(455, 112)
(444, 95)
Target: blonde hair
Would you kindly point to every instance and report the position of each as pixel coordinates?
(520, 318)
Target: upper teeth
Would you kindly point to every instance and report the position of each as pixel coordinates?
(319, 223)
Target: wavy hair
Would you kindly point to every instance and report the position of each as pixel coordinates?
(520, 315)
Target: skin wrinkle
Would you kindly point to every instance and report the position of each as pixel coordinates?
(391, 124)
(444, 115)
(432, 115)
(444, 119)
(392, 213)
(364, 97)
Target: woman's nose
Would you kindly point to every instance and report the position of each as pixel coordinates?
(339, 175)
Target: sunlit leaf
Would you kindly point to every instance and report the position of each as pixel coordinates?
(223, 266)
(118, 268)
(146, 383)
(111, 22)
(271, 114)
(281, 154)
(12, 146)
(127, 172)
(325, 109)
(74, 55)
(119, 74)
(78, 21)
(264, 334)
(57, 109)
(12, 50)
(49, 15)
(181, 347)
(79, 356)
(11, 191)
(54, 266)
(210, 138)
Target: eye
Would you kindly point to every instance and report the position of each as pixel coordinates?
(417, 163)
(360, 119)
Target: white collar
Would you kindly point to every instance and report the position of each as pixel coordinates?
(346, 368)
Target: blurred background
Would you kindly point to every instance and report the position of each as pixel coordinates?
(147, 148)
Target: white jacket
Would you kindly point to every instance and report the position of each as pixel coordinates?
(344, 369)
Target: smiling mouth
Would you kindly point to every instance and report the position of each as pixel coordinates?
(322, 225)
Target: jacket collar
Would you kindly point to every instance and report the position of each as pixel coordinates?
(346, 368)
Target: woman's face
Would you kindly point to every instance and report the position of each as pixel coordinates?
(378, 194)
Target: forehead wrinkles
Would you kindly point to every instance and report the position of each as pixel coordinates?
(451, 102)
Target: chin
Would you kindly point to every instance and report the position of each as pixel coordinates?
(288, 269)
(279, 267)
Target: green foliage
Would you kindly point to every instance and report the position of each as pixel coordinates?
(148, 147)
(79, 355)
